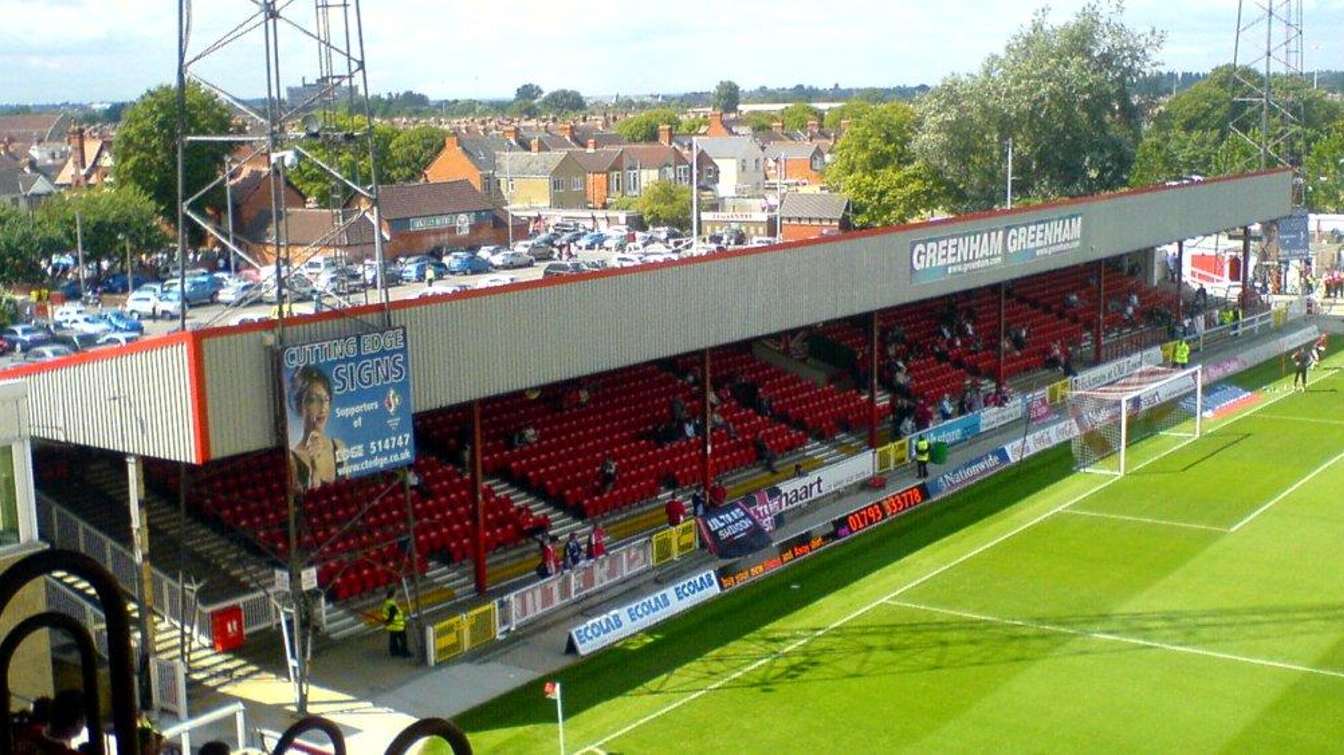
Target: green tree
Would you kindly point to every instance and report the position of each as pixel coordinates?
(563, 101)
(25, 241)
(876, 167)
(691, 124)
(1323, 171)
(145, 151)
(796, 116)
(644, 126)
(524, 109)
(666, 203)
(109, 216)
(349, 156)
(410, 152)
(727, 96)
(758, 122)
(527, 92)
(846, 112)
(1063, 94)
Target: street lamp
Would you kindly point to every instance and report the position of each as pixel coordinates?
(127, 241)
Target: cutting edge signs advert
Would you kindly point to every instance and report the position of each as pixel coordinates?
(614, 626)
(938, 257)
(348, 407)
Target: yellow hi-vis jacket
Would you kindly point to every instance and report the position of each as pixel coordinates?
(394, 619)
(922, 450)
(1181, 354)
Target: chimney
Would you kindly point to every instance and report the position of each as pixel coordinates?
(813, 125)
(777, 127)
(567, 131)
(76, 139)
(665, 134)
(592, 145)
(511, 133)
(716, 125)
(536, 144)
(450, 140)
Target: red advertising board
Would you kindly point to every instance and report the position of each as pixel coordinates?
(226, 627)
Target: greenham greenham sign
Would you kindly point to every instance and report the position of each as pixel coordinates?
(939, 257)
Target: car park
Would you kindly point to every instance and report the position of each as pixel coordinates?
(116, 284)
(78, 341)
(666, 257)
(486, 252)
(65, 314)
(49, 352)
(466, 263)
(614, 243)
(490, 281)
(563, 268)
(443, 289)
(237, 291)
(594, 264)
(200, 289)
(117, 339)
(120, 322)
(508, 259)
(141, 303)
(626, 260)
(168, 304)
(591, 240)
(391, 272)
(340, 280)
(26, 337)
(88, 324)
(564, 226)
(415, 271)
(297, 288)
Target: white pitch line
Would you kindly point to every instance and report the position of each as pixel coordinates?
(1146, 520)
(909, 586)
(1120, 638)
(1316, 420)
(1250, 517)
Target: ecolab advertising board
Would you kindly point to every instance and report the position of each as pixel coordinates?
(614, 626)
(348, 406)
(933, 259)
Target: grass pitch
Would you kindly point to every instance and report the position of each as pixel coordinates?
(1195, 604)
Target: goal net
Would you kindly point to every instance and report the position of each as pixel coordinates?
(1136, 419)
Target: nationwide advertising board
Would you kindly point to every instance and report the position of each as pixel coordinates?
(614, 626)
(973, 470)
(766, 504)
(348, 407)
(939, 257)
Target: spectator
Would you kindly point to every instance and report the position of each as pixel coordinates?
(766, 454)
(798, 470)
(1055, 358)
(1019, 336)
(923, 415)
(1071, 301)
(946, 410)
(573, 551)
(719, 423)
(550, 560)
(697, 504)
(1201, 298)
(215, 747)
(597, 542)
(525, 437)
(1133, 300)
(678, 409)
(906, 428)
(675, 510)
(1066, 363)
(65, 720)
(718, 494)
(607, 474)
(764, 407)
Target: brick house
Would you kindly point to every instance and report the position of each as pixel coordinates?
(251, 195)
(343, 234)
(469, 158)
(89, 163)
(22, 187)
(646, 163)
(602, 179)
(423, 217)
(807, 216)
(802, 162)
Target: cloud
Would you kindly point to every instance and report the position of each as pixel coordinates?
(115, 49)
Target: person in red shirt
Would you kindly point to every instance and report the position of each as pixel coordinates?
(676, 512)
(550, 560)
(597, 542)
(717, 494)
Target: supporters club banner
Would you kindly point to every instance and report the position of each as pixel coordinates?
(733, 531)
(348, 407)
(969, 472)
(1113, 371)
(764, 505)
(934, 259)
(627, 620)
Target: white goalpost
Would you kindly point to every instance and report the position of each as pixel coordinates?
(1147, 414)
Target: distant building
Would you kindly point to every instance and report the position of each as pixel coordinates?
(18, 133)
(796, 162)
(89, 163)
(471, 158)
(427, 217)
(24, 188)
(541, 179)
(343, 234)
(807, 216)
(740, 162)
(310, 95)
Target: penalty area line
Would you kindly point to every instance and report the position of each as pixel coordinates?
(1146, 520)
(1107, 636)
(1293, 488)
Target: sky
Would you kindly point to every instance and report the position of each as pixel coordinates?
(110, 50)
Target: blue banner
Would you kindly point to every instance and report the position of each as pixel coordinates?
(954, 431)
(348, 406)
(613, 626)
(967, 473)
(939, 257)
(1294, 236)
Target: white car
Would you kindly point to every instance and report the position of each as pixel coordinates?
(490, 281)
(487, 252)
(614, 243)
(249, 318)
(667, 257)
(66, 314)
(507, 259)
(625, 260)
(88, 324)
(141, 303)
(117, 339)
(440, 289)
(237, 291)
(47, 353)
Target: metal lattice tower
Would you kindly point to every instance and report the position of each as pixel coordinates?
(1268, 51)
(278, 130)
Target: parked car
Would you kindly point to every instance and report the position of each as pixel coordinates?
(297, 288)
(239, 290)
(200, 289)
(626, 260)
(116, 284)
(490, 281)
(78, 341)
(442, 289)
(341, 280)
(570, 238)
(564, 226)
(486, 252)
(120, 322)
(664, 257)
(70, 290)
(117, 339)
(614, 243)
(88, 324)
(541, 252)
(391, 272)
(49, 352)
(594, 264)
(65, 314)
(26, 337)
(563, 268)
(466, 263)
(508, 259)
(141, 303)
(169, 304)
(591, 240)
(248, 318)
(415, 271)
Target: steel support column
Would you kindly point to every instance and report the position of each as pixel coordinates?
(1003, 332)
(707, 448)
(872, 379)
(1100, 328)
(477, 498)
(1245, 268)
(1180, 281)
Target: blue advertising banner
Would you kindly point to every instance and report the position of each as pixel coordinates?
(969, 472)
(1294, 238)
(954, 431)
(940, 257)
(611, 627)
(348, 407)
